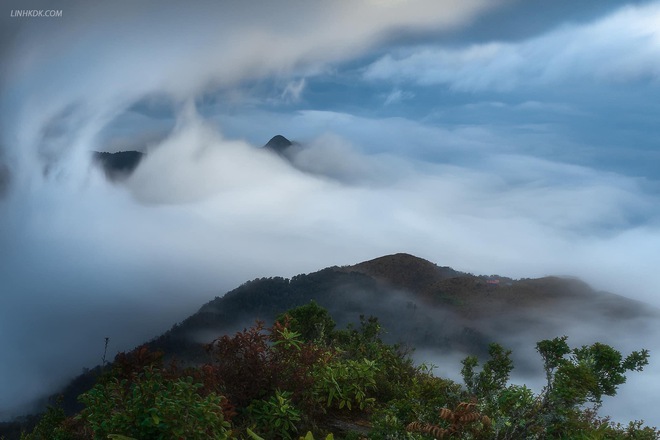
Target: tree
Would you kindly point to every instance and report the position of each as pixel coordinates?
(311, 321)
(586, 374)
(580, 376)
(494, 375)
(575, 377)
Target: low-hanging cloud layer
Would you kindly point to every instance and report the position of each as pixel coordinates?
(206, 210)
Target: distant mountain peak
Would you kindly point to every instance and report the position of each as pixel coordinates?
(118, 165)
(278, 144)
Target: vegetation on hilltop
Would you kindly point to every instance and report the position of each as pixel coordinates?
(302, 378)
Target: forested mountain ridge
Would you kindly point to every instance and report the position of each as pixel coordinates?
(420, 303)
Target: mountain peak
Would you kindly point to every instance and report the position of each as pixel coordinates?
(118, 165)
(404, 271)
(278, 143)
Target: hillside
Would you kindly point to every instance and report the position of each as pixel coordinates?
(418, 302)
(303, 373)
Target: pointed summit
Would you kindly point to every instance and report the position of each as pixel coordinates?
(278, 144)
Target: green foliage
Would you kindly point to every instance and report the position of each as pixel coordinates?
(494, 375)
(423, 397)
(585, 374)
(302, 375)
(637, 431)
(151, 406)
(253, 435)
(287, 339)
(395, 368)
(50, 427)
(276, 416)
(515, 413)
(312, 322)
(574, 377)
(346, 384)
(310, 436)
(579, 376)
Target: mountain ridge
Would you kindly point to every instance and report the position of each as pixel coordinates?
(400, 287)
(420, 303)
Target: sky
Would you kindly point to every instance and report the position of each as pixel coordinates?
(493, 136)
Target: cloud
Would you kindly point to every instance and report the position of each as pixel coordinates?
(95, 62)
(397, 95)
(83, 259)
(293, 90)
(621, 47)
(80, 254)
(203, 214)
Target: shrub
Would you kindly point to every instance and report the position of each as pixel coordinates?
(151, 406)
(51, 426)
(346, 384)
(312, 322)
(277, 417)
(242, 365)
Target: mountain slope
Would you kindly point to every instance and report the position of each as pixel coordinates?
(417, 301)
(432, 308)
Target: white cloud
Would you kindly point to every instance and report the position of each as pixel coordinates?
(97, 61)
(293, 90)
(203, 214)
(622, 47)
(398, 95)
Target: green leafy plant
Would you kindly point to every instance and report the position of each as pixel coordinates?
(276, 416)
(346, 384)
(311, 322)
(575, 377)
(51, 426)
(308, 436)
(493, 376)
(290, 378)
(152, 406)
(579, 376)
(585, 374)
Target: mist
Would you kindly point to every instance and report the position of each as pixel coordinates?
(84, 259)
